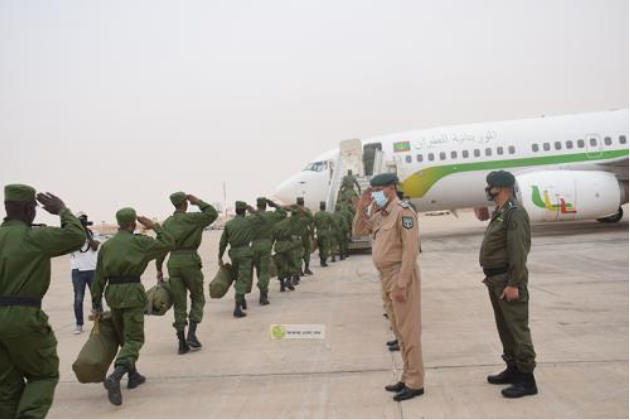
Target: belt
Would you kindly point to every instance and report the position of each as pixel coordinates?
(489, 272)
(240, 246)
(20, 301)
(386, 270)
(184, 252)
(124, 279)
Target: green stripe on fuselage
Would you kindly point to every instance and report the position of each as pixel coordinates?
(418, 184)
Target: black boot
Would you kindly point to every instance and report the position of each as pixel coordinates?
(183, 346)
(289, 284)
(322, 262)
(244, 304)
(508, 376)
(238, 312)
(112, 385)
(282, 289)
(192, 340)
(295, 280)
(135, 379)
(264, 300)
(307, 270)
(525, 385)
(391, 343)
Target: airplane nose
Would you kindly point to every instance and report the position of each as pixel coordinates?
(286, 190)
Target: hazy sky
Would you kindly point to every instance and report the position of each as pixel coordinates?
(120, 103)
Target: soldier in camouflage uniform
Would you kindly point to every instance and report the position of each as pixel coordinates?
(325, 225)
(306, 233)
(503, 256)
(284, 247)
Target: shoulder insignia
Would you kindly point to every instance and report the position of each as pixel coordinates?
(404, 204)
(407, 222)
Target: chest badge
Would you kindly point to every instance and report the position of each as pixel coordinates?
(407, 222)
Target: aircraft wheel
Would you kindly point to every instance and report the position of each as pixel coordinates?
(616, 218)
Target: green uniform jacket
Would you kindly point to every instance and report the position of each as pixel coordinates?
(127, 254)
(324, 223)
(507, 242)
(25, 254)
(306, 224)
(239, 233)
(263, 229)
(187, 230)
(341, 222)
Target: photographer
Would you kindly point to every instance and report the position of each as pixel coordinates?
(83, 264)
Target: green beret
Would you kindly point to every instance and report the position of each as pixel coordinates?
(125, 216)
(500, 179)
(300, 200)
(19, 192)
(178, 198)
(241, 205)
(383, 180)
(261, 201)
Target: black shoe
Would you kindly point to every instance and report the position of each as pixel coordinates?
(295, 280)
(192, 340)
(183, 346)
(112, 385)
(385, 316)
(282, 289)
(263, 300)
(238, 312)
(289, 284)
(408, 393)
(391, 343)
(525, 385)
(397, 387)
(394, 347)
(322, 262)
(244, 304)
(508, 376)
(135, 379)
(307, 271)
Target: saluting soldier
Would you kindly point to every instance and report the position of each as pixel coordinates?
(503, 256)
(121, 262)
(324, 223)
(238, 234)
(297, 227)
(184, 265)
(29, 366)
(394, 230)
(284, 247)
(262, 243)
(307, 233)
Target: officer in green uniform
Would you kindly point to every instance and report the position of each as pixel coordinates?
(262, 243)
(284, 248)
(120, 263)
(324, 223)
(347, 191)
(307, 233)
(238, 234)
(342, 231)
(503, 256)
(184, 265)
(29, 366)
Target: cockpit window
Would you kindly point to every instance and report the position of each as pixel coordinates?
(316, 166)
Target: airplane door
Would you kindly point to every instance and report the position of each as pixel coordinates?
(351, 152)
(593, 146)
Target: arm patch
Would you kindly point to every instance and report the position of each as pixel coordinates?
(407, 222)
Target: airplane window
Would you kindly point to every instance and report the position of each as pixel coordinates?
(442, 155)
(512, 150)
(535, 147)
(431, 157)
(488, 152)
(453, 155)
(593, 142)
(622, 140)
(419, 158)
(465, 154)
(408, 158)
(558, 145)
(477, 153)
(316, 166)
(569, 144)
(546, 147)
(580, 143)
(607, 141)
(499, 150)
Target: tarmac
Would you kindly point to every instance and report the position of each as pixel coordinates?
(578, 317)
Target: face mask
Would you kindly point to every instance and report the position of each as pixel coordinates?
(379, 198)
(490, 195)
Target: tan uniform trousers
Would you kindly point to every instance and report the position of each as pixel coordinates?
(406, 324)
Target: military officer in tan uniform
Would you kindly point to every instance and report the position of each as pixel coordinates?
(394, 230)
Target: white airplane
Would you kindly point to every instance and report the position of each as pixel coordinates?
(567, 168)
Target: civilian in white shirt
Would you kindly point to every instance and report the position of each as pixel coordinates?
(83, 265)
